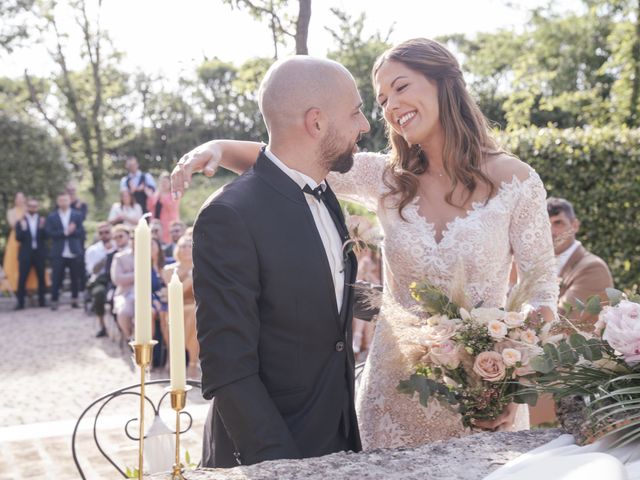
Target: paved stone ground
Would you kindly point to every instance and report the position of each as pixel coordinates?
(51, 368)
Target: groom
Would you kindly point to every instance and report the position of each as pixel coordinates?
(272, 281)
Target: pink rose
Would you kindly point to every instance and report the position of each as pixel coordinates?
(622, 330)
(445, 354)
(489, 366)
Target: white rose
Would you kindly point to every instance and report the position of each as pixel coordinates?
(484, 315)
(514, 319)
(497, 329)
(529, 336)
(440, 328)
(445, 354)
(464, 314)
(511, 356)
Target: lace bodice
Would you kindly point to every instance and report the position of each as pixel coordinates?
(512, 225)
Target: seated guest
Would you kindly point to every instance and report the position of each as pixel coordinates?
(158, 303)
(31, 235)
(582, 274)
(96, 265)
(156, 230)
(176, 230)
(125, 211)
(122, 276)
(183, 266)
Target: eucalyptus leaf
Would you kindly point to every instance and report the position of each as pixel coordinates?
(593, 306)
(614, 295)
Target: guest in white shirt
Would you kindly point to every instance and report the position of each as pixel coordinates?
(125, 211)
(31, 235)
(96, 261)
(64, 227)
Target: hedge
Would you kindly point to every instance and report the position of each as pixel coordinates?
(598, 171)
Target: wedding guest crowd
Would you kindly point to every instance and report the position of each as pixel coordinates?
(105, 268)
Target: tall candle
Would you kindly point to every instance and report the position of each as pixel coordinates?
(142, 282)
(176, 334)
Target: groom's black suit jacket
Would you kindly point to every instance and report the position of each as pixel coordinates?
(275, 352)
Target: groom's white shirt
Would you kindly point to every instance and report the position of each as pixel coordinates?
(326, 228)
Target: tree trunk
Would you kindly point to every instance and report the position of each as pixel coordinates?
(302, 27)
(633, 119)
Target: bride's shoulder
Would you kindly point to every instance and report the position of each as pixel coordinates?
(504, 168)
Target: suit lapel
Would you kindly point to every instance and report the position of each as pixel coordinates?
(350, 261)
(567, 270)
(280, 181)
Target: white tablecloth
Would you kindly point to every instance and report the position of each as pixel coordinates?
(562, 459)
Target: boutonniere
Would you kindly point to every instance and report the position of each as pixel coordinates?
(363, 234)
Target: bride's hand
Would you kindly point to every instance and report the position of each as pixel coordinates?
(204, 158)
(504, 421)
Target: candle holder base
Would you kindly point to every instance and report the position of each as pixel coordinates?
(176, 473)
(178, 401)
(142, 352)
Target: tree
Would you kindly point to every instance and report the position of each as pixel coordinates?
(282, 23)
(34, 160)
(14, 27)
(571, 69)
(358, 53)
(79, 104)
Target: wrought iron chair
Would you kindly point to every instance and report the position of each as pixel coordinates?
(102, 402)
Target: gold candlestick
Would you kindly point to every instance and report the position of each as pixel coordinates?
(178, 401)
(142, 352)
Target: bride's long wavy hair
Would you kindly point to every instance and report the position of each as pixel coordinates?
(466, 131)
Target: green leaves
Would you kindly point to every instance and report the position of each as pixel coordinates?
(615, 296)
(567, 354)
(433, 300)
(426, 388)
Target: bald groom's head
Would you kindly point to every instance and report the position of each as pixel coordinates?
(296, 84)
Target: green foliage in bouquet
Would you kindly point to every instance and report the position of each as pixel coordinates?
(592, 369)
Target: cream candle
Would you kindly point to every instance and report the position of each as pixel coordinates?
(176, 333)
(142, 282)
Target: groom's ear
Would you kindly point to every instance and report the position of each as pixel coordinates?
(315, 122)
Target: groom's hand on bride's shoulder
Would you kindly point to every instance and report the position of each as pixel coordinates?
(204, 158)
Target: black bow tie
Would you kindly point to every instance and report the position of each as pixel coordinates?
(316, 192)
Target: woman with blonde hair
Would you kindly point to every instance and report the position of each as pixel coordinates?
(183, 266)
(10, 261)
(448, 200)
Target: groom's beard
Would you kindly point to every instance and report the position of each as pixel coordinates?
(337, 159)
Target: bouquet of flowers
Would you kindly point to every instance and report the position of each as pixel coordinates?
(602, 370)
(474, 358)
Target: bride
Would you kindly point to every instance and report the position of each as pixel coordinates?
(445, 195)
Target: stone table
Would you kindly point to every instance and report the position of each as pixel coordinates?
(468, 458)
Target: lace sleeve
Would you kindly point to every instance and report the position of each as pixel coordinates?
(530, 238)
(363, 183)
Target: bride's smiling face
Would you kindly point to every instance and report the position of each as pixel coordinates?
(409, 102)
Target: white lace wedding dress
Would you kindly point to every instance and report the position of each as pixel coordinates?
(513, 225)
